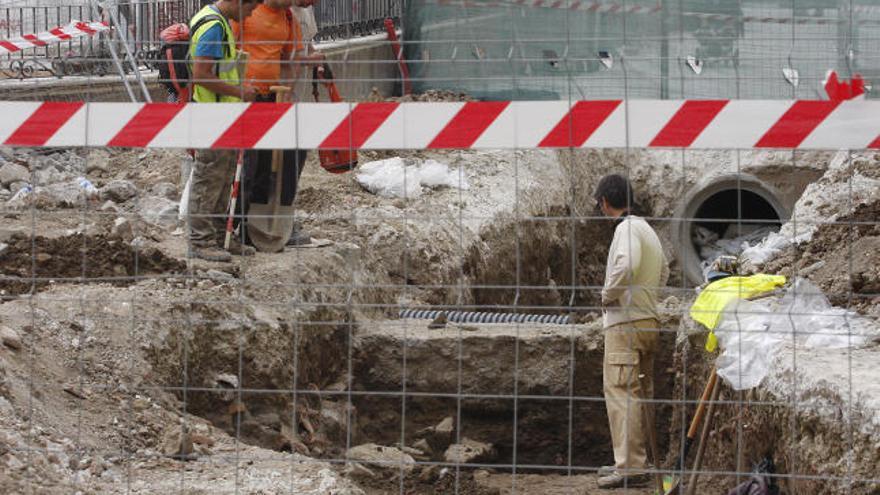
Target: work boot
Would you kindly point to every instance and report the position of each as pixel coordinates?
(618, 480)
(605, 471)
(239, 249)
(210, 253)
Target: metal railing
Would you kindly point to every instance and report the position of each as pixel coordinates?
(142, 21)
(342, 19)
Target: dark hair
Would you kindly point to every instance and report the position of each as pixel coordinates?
(617, 190)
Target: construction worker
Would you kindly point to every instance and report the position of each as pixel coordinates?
(636, 269)
(272, 37)
(215, 80)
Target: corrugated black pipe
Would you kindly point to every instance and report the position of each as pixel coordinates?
(483, 317)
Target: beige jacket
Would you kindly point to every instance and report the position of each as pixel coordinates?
(636, 270)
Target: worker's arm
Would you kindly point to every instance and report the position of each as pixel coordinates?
(624, 262)
(287, 72)
(203, 75)
(304, 59)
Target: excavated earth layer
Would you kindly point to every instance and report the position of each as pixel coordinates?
(815, 416)
(844, 257)
(39, 261)
(543, 381)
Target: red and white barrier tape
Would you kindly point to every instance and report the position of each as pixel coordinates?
(692, 124)
(74, 29)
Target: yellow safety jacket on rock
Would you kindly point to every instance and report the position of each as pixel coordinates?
(227, 67)
(716, 296)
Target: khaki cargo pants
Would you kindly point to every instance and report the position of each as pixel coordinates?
(628, 379)
(213, 174)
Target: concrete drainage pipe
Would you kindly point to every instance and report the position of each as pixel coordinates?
(722, 208)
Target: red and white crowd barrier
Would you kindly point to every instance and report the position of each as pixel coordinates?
(75, 29)
(692, 124)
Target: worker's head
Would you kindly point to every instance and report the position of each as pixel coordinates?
(238, 10)
(614, 195)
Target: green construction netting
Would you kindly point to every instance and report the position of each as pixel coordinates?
(555, 49)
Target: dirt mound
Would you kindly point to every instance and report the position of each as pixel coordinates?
(842, 258)
(40, 260)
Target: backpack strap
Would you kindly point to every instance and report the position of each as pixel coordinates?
(169, 57)
(211, 18)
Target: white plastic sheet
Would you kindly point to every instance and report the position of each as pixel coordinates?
(393, 178)
(390, 178)
(751, 333)
(183, 208)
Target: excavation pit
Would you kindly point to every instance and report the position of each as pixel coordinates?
(532, 391)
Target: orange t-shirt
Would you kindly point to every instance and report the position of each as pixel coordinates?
(269, 37)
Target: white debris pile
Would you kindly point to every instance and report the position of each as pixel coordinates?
(736, 239)
(750, 333)
(395, 178)
(842, 188)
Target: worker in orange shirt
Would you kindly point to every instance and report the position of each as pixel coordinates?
(272, 37)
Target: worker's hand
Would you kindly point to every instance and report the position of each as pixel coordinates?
(248, 93)
(317, 57)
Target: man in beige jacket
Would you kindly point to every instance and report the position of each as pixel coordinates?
(635, 271)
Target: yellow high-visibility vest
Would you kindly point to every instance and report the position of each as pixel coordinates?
(227, 67)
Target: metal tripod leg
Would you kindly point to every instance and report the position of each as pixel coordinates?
(129, 57)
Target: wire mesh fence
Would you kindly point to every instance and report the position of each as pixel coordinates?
(138, 24)
(445, 320)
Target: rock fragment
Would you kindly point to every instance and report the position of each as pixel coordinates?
(10, 338)
(469, 452)
(13, 172)
(382, 457)
(177, 444)
(159, 211)
(228, 383)
(119, 191)
(358, 471)
(109, 205)
(165, 190)
(440, 436)
(122, 228)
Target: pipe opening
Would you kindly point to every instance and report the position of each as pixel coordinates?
(729, 221)
(735, 212)
(722, 218)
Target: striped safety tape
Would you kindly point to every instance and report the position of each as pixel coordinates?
(74, 29)
(693, 124)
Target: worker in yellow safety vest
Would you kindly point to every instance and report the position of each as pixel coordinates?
(216, 79)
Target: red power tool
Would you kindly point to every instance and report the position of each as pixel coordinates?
(333, 161)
